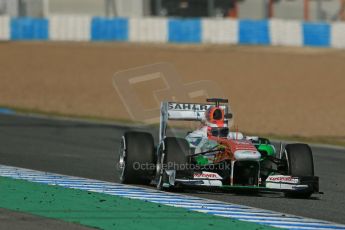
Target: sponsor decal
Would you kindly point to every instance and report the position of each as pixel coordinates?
(242, 145)
(188, 106)
(282, 179)
(206, 175)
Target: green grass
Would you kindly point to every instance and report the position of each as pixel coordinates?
(104, 211)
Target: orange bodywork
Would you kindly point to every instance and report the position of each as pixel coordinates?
(230, 147)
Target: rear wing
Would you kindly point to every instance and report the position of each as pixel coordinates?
(185, 112)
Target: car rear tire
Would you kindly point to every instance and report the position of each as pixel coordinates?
(175, 153)
(136, 158)
(300, 163)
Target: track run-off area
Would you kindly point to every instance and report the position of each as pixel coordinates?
(89, 150)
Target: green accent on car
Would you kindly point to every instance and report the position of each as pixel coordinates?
(251, 187)
(104, 211)
(201, 160)
(263, 145)
(268, 148)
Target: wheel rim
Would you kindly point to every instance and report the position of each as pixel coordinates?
(122, 159)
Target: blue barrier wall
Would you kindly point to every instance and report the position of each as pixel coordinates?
(184, 30)
(316, 34)
(254, 32)
(29, 29)
(175, 30)
(104, 29)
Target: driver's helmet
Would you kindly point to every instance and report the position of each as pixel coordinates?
(215, 121)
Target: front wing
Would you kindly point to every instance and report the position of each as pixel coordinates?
(278, 183)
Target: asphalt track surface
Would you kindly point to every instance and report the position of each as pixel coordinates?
(89, 150)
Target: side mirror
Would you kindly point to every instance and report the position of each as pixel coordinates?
(228, 115)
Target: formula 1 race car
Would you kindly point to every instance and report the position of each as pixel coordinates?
(212, 156)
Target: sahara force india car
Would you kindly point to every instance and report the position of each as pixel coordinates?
(214, 157)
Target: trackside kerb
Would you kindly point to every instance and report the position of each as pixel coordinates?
(105, 211)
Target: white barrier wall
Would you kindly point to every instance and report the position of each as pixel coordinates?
(69, 28)
(276, 32)
(220, 31)
(338, 35)
(286, 33)
(148, 30)
(4, 28)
